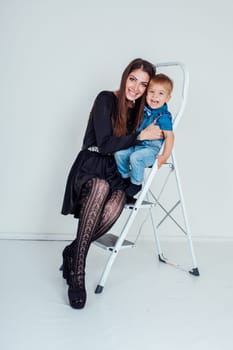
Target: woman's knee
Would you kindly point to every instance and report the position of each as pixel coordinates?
(101, 184)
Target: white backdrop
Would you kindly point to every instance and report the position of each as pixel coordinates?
(56, 55)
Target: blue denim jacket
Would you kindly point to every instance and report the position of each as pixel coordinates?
(161, 117)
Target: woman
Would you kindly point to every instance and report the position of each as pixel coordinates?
(94, 190)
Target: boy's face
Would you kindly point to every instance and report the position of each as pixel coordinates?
(157, 95)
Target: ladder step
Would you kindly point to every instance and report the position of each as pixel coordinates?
(108, 241)
(145, 204)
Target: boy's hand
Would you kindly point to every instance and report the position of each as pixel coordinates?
(161, 160)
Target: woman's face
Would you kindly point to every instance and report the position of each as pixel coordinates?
(136, 84)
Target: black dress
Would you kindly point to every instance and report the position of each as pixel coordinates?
(101, 164)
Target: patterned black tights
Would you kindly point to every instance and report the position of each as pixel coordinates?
(98, 213)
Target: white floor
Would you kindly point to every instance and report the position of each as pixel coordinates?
(145, 304)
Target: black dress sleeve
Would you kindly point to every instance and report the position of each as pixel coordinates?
(103, 110)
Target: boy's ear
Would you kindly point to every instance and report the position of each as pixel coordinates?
(169, 97)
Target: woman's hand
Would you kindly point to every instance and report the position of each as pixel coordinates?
(152, 132)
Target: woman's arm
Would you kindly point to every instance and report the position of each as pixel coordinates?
(104, 108)
(152, 132)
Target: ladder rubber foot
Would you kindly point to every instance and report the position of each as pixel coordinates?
(99, 289)
(195, 272)
(161, 259)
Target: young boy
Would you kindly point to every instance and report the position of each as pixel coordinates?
(131, 162)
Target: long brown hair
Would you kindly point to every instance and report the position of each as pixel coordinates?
(120, 123)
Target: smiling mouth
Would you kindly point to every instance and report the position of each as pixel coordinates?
(132, 91)
(132, 94)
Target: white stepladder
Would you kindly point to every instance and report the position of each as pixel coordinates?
(148, 200)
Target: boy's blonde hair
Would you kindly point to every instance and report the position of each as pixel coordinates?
(164, 80)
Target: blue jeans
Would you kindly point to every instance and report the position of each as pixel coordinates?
(132, 161)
